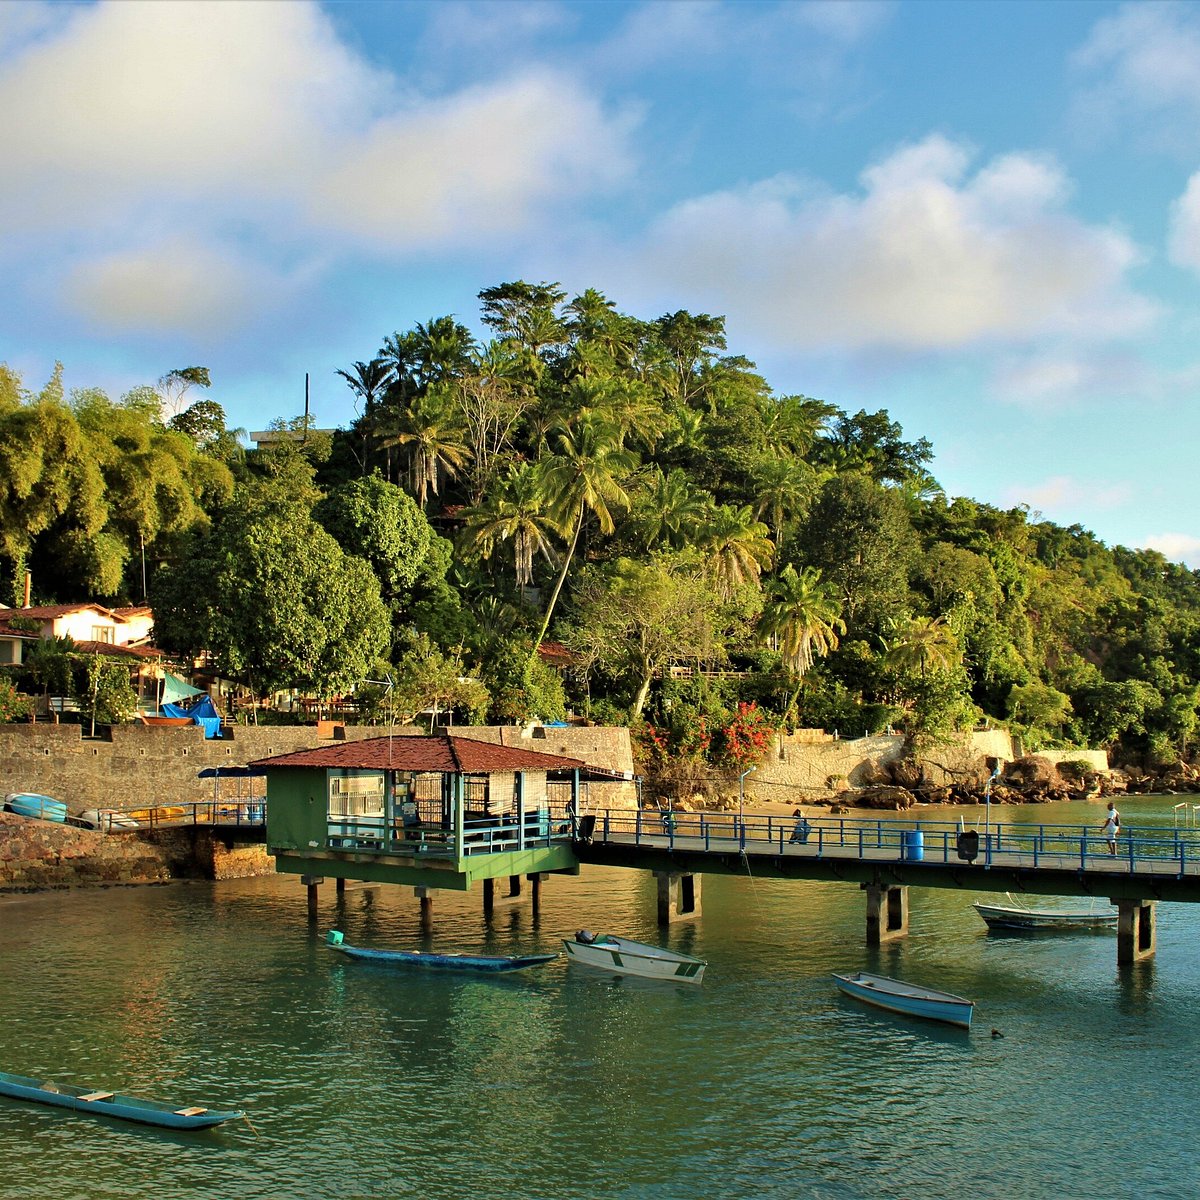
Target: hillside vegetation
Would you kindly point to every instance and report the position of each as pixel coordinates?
(716, 558)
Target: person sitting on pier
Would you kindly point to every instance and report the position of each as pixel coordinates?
(801, 829)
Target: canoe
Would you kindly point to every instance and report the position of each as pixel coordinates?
(908, 998)
(97, 1102)
(1015, 916)
(30, 804)
(627, 957)
(104, 819)
(448, 962)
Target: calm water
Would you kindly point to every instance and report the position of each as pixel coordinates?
(764, 1081)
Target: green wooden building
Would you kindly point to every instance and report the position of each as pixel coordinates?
(431, 812)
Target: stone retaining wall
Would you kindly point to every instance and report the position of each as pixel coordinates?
(134, 766)
(798, 765)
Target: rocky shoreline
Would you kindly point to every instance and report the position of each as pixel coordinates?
(1028, 780)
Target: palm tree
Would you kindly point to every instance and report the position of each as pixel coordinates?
(369, 381)
(925, 642)
(584, 475)
(785, 487)
(735, 547)
(432, 429)
(669, 510)
(803, 614)
(516, 513)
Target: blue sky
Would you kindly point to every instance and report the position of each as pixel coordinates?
(983, 217)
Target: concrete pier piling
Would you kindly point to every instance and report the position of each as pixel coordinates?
(678, 896)
(887, 913)
(1137, 932)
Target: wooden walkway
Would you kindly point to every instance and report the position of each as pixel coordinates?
(1152, 863)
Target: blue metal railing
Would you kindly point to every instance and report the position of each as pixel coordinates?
(909, 839)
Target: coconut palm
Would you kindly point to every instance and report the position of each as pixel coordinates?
(734, 546)
(516, 513)
(925, 642)
(669, 509)
(432, 429)
(803, 615)
(785, 487)
(584, 474)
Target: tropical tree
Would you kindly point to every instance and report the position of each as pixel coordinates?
(432, 429)
(633, 618)
(584, 475)
(802, 617)
(270, 595)
(516, 513)
(735, 547)
(924, 643)
(667, 509)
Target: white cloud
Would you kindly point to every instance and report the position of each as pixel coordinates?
(926, 256)
(1177, 547)
(151, 126)
(1144, 63)
(1064, 495)
(455, 169)
(172, 285)
(1185, 227)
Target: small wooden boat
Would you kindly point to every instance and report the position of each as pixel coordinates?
(96, 1102)
(907, 998)
(449, 962)
(30, 804)
(1017, 916)
(627, 957)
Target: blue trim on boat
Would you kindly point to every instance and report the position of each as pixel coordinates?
(30, 804)
(445, 962)
(97, 1102)
(909, 999)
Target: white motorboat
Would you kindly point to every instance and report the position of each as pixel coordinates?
(627, 957)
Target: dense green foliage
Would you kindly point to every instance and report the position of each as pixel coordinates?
(716, 558)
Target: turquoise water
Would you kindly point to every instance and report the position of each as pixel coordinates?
(562, 1082)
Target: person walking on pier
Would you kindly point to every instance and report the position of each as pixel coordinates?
(1112, 823)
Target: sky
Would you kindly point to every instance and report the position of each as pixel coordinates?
(982, 217)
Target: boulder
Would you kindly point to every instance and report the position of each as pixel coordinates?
(893, 798)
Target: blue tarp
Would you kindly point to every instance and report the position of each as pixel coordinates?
(203, 712)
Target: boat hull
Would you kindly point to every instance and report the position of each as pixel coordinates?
(626, 957)
(998, 916)
(908, 999)
(109, 1104)
(444, 962)
(30, 804)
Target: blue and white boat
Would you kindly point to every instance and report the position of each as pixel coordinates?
(908, 998)
(98, 1102)
(446, 962)
(31, 804)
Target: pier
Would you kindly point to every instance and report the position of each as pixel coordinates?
(885, 857)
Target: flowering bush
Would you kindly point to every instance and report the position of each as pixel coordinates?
(746, 738)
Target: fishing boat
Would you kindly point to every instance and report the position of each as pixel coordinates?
(450, 962)
(30, 804)
(627, 957)
(908, 998)
(97, 1102)
(1018, 916)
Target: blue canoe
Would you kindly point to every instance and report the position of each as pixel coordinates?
(449, 962)
(30, 804)
(908, 998)
(97, 1102)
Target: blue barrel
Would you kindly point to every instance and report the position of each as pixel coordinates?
(914, 845)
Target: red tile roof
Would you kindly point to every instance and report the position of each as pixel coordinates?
(445, 754)
(47, 612)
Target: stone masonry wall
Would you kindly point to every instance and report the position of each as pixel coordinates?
(140, 765)
(797, 764)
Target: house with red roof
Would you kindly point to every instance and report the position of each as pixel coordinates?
(436, 811)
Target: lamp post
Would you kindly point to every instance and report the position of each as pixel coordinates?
(742, 802)
(987, 800)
